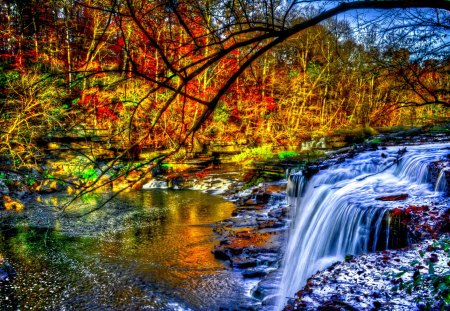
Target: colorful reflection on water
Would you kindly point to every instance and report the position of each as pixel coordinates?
(147, 250)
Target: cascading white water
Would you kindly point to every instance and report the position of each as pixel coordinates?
(336, 213)
(441, 183)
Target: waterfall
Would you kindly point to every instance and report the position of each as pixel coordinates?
(441, 183)
(337, 212)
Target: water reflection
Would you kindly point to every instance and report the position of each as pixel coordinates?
(147, 250)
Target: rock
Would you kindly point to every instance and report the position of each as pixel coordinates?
(225, 251)
(270, 223)
(275, 213)
(396, 197)
(268, 259)
(377, 304)
(250, 202)
(243, 262)
(221, 253)
(263, 197)
(254, 273)
(336, 305)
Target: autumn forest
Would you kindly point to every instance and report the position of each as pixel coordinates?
(151, 74)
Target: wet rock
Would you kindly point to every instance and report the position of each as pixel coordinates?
(377, 304)
(268, 259)
(270, 223)
(336, 305)
(249, 307)
(243, 262)
(396, 197)
(263, 197)
(276, 213)
(227, 251)
(221, 253)
(251, 239)
(244, 222)
(251, 202)
(254, 273)
(236, 212)
(251, 207)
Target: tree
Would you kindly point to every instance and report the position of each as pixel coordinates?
(252, 29)
(154, 72)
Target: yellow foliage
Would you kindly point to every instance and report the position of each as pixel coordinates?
(53, 185)
(11, 204)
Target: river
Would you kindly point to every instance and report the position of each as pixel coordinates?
(146, 250)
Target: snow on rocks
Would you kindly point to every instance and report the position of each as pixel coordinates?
(369, 282)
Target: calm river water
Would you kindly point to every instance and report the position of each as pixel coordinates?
(147, 250)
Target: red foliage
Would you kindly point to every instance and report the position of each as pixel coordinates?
(104, 110)
(396, 212)
(270, 104)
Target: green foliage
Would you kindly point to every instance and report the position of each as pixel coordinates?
(88, 174)
(287, 154)
(47, 175)
(432, 287)
(293, 73)
(375, 141)
(30, 181)
(313, 69)
(259, 153)
(440, 129)
(253, 182)
(221, 114)
(8, 76)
